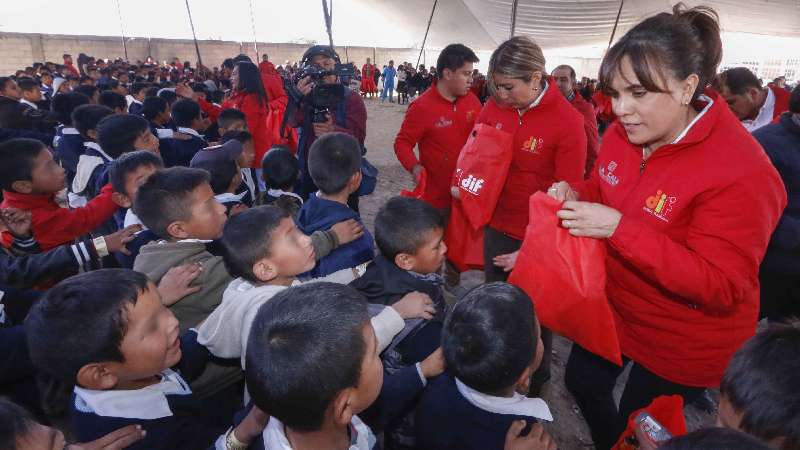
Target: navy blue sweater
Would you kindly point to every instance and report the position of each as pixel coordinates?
(176, 152)
(69, 148)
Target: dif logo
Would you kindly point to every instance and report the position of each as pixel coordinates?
(472, 184)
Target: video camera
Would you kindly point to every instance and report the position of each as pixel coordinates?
(344, 72)
(324, 98)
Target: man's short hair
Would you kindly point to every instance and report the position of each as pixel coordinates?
(737, 80)
(82, 320)
(402, 225)
(117, 133)
(64, 104)
(220, 171)
(17, 160)
(572, 75)
(333, 159)
(489, 337)
(113, 100)
(454, 56)
(280, 168)
(166, 198)
(247, 238)
(291, 369)
(184, 112)
(86, 117)
(128, 163)
(228, 116)
(153, 106)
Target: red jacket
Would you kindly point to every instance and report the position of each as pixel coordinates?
(782, 97)
(273, 86)
(549, 146)
(211, 110)
(441, 128)
(256, 113)
(53, 225)
(605, 110)
(590, 127)
(682, 265)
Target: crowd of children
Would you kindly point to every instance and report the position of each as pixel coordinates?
(168, 295)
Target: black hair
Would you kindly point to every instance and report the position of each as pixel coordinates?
(333, 159)
(402, 225)
(27, 84)
(168, 95)
(221, 173)
(228, 63)
(166, 197)
(229, 115)
(306, 345)
(64, 104)
(280, 168)
(86, 117)
(151, 91)
(112, 84)
(715, 439)
(117, 133)
(184, 112)
(16, 160)
(241, 57)
(4, 81)
(237, 135)
(15, 422)
(246, 239)
(128, 163)
(82, 320)
(199, 87)
(137, 87)
(250, 81)
(153, 106)
(113, 100)
(681, 43)
(454, 56)
(761, 382)
(737, 80)
(86, 89)
(490, 336)
(794, 100)
(572, 73)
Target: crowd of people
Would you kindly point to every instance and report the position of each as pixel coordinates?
(184, 263)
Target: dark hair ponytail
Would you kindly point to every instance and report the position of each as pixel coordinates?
(679, 44)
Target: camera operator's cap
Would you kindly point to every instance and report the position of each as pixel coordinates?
(228, 151)
(320, 50)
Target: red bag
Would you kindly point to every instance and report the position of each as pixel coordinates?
(419, 190)
(667, 410)
(481, 172)
(464, 245)
(566, 278)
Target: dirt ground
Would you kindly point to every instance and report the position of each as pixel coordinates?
(568, 428)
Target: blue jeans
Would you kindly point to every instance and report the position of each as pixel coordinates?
(388, 87)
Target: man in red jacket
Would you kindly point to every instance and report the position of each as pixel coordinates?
(566, 80)
(754, 105)
(439, 121)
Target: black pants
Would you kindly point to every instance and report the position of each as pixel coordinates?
(591, 379)
(780, 296)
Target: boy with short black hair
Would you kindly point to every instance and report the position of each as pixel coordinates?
(31, 92)
(492, 345)
(30, 179)
(231, 119)
(280, 170)
(759, 390)
(225, 180)
(188, 119)
(84, 185)
(136, 97)
(157, 111)
(114, 101)
(334, 163)
(250, 186)
(68, 142)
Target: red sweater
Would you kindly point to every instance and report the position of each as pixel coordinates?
(53, 225)
(682, 266)
(590, 127)
(256, 114)
(549, 146)
(273, 86)
(782, 97)
(441, 128)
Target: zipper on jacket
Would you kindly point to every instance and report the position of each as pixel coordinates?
(642, 166)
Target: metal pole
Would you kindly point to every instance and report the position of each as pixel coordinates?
(514, 17)
(253, 24)
(122, 32)
(194, 35)
(422, 49)
(328, 20)
(616, 22)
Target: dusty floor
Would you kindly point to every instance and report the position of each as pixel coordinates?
(568, 428)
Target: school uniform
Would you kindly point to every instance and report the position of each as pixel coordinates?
(229, 200)
(453, 416)
(289, 201)
(69, 146)
(180, 152)
(135, 107)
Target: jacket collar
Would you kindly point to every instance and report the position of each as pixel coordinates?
(27, 201)
(518, 404)
(96, 147)
(190, 131)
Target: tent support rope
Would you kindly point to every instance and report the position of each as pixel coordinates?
(424, 39)
(616, 22)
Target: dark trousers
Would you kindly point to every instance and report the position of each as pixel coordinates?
(591, 380)
(496, 243)
(780, 296)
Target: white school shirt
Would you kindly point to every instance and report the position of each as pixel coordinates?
(765, 114)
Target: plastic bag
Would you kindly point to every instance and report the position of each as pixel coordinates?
(419, 189)
(667, 410)
(481, 172)
(464, 244)
(566, 278)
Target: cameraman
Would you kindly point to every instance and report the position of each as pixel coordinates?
(349, 116)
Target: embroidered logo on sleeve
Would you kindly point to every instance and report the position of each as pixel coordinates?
(472, 184)
(660, 205)
(470, 116)
(607, 173)
(443, 122)
(533, 145)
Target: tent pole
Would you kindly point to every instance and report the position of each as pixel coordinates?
(194, 35)
(433, 10)
(514, 5)
(616, 22)
(253, 25)
(122, 32)
(328, 20)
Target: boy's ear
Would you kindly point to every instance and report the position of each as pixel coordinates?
(121, 200)
(22, 186)
(354, 182)
(404, 261)
(178, 230)
(92, 134)
(96, 376)
(523, 384)
(264, 270)
(341, 408)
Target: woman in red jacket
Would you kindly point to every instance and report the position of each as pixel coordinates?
(248, 96)
(549, 145)
(686, 201)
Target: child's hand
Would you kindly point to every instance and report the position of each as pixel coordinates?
(115, 242)
(238, 209)
(17, 221)
(433, 365)
(414, 305)
(348, 231)
(116, 440)
(174, 285)
(537, 439)
(507, 262)
(252, 426)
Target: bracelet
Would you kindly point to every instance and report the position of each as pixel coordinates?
(101, 247)
(231, 443)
